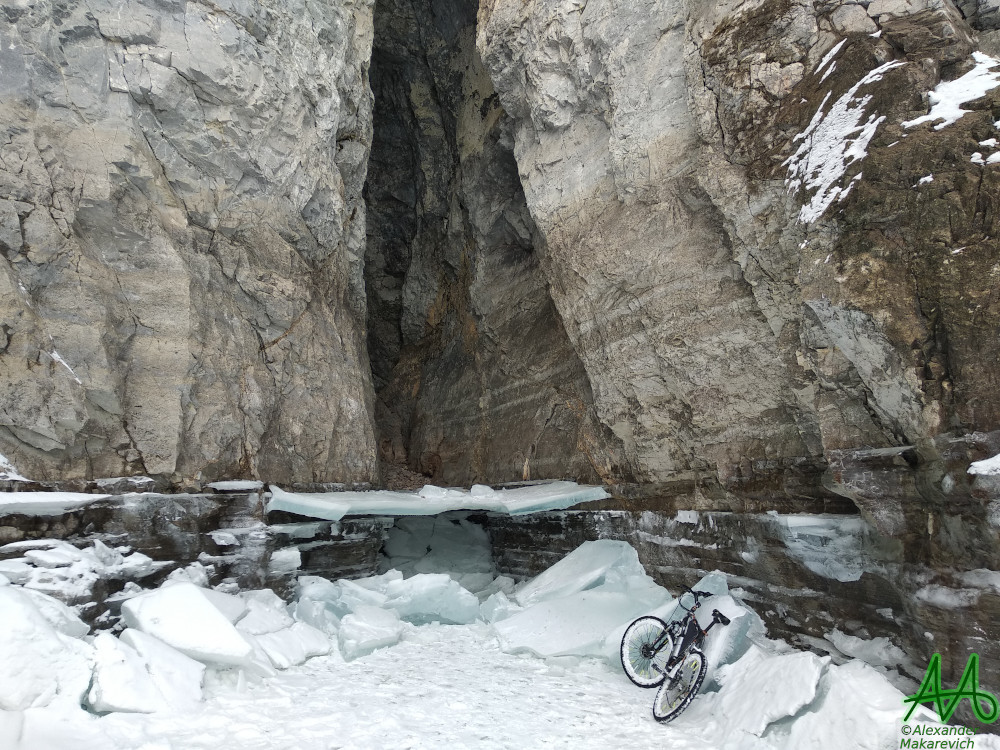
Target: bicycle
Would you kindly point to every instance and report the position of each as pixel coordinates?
(669, 655)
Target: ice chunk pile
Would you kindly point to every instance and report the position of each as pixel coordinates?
(576, 605)
(447, 543)
(186, 619)
(367, 628)
(176, 677)
(253, 630)
(856, 706)
(582, 605)
(269, 627)
(64, 571)
(121, 682)
(591, 564)
(498, 606)
(776, 697)
(174, 634)
(368, 613)
(431, 500)
(181, 636)
(763, 687)
(41, 661)
(431, 596)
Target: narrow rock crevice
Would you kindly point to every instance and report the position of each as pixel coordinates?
(469, 356)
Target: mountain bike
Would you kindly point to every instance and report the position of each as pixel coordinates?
(669, 655)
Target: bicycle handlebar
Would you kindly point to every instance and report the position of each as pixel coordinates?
(698, 595)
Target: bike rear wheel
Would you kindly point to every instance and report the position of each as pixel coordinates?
(676, 694)
(644, 667)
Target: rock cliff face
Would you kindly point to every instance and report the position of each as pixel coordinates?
(779, 275)
(750, 298)
(690, 246)
(713, 254)
(182, 234)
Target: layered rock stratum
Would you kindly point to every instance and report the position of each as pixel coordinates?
(627, 245)
(738, 238)
(182, 234)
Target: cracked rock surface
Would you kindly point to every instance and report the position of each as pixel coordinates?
(740, 322)
(182, 235)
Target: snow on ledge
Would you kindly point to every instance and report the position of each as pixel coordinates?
(44, 503)
(236, 485)
(986, 467)
(8, 472)
(332, 506)
(948, 97)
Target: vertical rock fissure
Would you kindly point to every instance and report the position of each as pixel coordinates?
(475, 377)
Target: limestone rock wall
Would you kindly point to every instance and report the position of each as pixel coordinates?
(692, 373)
(182, 238)
(755, 294)
(601, 244)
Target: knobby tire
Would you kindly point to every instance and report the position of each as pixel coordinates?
(645, 672)
(674, 696)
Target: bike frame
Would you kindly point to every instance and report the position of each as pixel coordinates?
(685, 633)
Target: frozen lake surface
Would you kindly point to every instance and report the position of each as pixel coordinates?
(371, 663)
(442, 686)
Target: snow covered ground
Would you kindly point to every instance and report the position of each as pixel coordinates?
(442, 686)
(421, 662)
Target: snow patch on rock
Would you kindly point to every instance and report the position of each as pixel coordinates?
(948, 97)
(835, 139)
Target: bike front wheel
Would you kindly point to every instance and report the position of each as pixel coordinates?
(676, 694)
(645, 666)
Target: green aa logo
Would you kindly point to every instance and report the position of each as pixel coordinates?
(984, 704)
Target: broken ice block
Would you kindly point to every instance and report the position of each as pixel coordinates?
(39, 662)
(432, 596)
(497, 607)
(574, 625)
(121, 682)
(367, 629)
(587, 566)
(183, 617)
(293, 645)
(178, 677)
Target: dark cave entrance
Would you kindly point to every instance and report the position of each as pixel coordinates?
(475, 378)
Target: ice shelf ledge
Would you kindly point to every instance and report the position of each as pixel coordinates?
(45, 503)
(332, 506)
